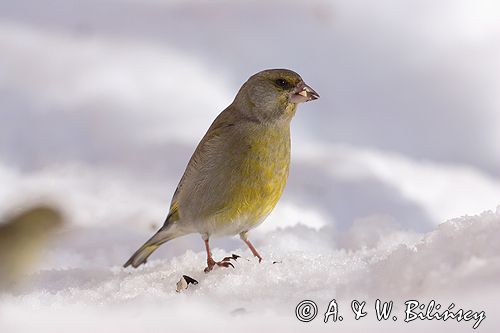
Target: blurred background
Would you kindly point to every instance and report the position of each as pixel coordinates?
(102, 103)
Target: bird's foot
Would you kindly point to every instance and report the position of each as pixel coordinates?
(223, 263)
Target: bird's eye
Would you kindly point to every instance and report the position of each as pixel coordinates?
(282, 83)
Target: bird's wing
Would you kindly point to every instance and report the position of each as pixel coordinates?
(201, 159)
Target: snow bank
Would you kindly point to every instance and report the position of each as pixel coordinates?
(100, 113)
(458, 262)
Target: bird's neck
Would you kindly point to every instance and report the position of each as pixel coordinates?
(280, 113)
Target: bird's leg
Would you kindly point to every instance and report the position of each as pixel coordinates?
(211, 262)
(244, 237)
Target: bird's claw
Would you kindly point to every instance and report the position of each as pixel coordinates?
(223, 263)
(233, 257)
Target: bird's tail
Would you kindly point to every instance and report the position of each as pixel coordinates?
(162, 236)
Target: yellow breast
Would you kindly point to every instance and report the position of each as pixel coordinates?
(258, 177)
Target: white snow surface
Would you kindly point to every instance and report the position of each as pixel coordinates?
(457, 262)
(103, 101)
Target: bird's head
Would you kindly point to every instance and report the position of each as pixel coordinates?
(271, 92)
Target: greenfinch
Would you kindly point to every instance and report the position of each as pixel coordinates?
(22, 239)
(239, 169)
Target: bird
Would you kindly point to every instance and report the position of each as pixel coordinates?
(23, 238)
(239, 169)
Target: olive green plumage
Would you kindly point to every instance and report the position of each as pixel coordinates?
(23, 238)
(239, 169)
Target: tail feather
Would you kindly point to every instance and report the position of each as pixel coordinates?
(141, 256)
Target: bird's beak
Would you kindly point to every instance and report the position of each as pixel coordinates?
(303, 93)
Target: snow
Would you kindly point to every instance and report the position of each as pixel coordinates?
(458, 261)
(395, 170)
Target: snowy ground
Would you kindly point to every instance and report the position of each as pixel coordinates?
(103, 101)
(458, 263)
